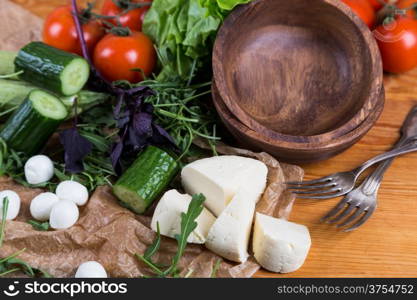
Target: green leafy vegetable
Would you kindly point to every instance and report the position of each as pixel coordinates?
(154, 247)
(44, 226)
(184, 32)
(230, 4)
(188, 224)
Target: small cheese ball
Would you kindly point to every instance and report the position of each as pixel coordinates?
(64, 214)
(91, 269)
(41, 206)
(72, 191)
(39, 169)
(14, 204)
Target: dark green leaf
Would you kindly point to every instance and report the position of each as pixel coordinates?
(21, 265)
(154, 247)
(188, 224)
(39, 226)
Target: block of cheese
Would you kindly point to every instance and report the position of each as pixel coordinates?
(168, 215)
(229, 235)
(278, 245)
(219, 178)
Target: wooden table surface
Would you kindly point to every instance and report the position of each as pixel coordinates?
(386, 246)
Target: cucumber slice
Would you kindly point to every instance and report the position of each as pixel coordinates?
(48, 105)
(52, 69)
(34, 121)
(146, 179)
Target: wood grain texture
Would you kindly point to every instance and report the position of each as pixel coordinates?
(306, 69)
(386, 246)
(286, 149)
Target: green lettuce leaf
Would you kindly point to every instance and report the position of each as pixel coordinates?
(184, 32)
(230, 4)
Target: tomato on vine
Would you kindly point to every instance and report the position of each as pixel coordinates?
(125, 56)
(130, 13)
(59, 30)
(397, 41)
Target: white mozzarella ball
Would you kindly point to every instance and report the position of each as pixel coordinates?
(91, 269)
(14, 204)
(64, 214)
(72, 191)
(39, 169)
(41, 206)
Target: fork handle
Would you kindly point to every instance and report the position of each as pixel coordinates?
(410, 147)
(371, 183)
(408, 133)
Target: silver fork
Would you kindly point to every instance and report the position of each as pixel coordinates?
(360, 203)
(341, 183)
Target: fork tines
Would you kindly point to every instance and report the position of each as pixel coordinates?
(323, 188)
(346, 213)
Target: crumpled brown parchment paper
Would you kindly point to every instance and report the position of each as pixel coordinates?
(107, 232)
(111, 234)
(18, 26)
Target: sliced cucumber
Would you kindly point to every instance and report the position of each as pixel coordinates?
(34, 121)
(52, 69)
(146, 179)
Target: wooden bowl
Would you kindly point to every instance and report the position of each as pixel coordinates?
(307, 70)
(288, 150)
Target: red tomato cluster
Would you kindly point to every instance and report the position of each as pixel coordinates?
(396, 36)
(117, 57)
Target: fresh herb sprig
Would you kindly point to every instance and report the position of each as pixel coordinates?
(188, 224)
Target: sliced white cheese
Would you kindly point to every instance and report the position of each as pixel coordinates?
(278, 245)
(219, 178)
(229, 235)
(168, 215)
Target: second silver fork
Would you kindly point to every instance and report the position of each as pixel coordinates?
(359, 204)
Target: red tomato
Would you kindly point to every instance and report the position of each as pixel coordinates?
(117, 57)
(397, 42)
(364, 11)
(408, 4)
(132, 19)
(59, 31)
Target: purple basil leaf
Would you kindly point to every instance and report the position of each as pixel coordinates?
(123, 119)
(116, 153)
(162, 137)
(76, 147)
(142, 124)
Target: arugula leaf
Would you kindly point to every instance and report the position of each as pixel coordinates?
(154, 247)
(5, 206)
(188, 224)
(216, 268)
(38, 225)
